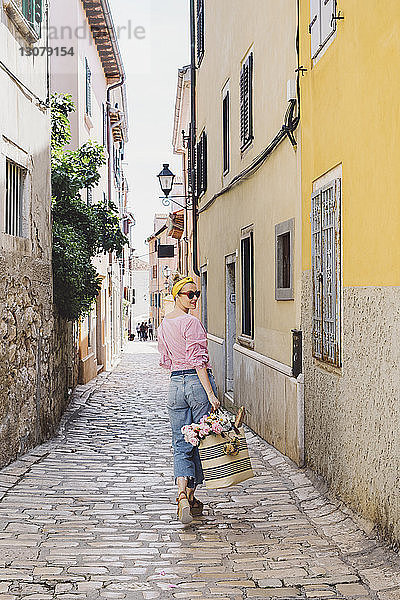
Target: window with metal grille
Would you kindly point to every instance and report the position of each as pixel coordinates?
(326, 272)
(247, 255)
(33, 13)
(246, 102)
(15, 177)
(201, 155)
(88, 89)
(200, 30)
(225, 133)
(284, 237)
(322, 23)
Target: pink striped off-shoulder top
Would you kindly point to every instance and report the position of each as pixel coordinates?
(182, 343)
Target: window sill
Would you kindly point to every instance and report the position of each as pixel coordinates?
(21, 23)
(88, 122)
(246, 341)
(283, 294)
(244, 149)
(325, 366)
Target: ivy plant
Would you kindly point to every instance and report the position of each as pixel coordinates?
(80, 232)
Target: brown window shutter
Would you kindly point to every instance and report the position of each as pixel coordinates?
(246, 102)
(201, 164)
(200, 30)
(204, 161)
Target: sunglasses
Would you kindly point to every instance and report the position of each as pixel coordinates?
(191, 295)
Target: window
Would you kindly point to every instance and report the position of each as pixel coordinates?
(284, 238)
(247, 254)
(322, 23)
(89, 330)
(88, 89)
(154, 271)
(89, 196)
(326, 272)
(33, 13)
(246, 102)
(225, 133)
(204, 316)
(200, 30)
(15, 177)
(201, 155)
(191, 163)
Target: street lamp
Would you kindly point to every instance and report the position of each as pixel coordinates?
(166, 179)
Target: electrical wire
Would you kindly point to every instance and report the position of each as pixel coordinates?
(21, 84)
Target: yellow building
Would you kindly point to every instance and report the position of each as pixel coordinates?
(250, 209)
(350, 128)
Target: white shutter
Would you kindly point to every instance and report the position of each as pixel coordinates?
(316, 252)
(315, 26)
(328, 25)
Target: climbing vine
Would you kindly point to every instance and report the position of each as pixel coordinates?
(80, 231)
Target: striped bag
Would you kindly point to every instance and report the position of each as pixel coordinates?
(225, 459)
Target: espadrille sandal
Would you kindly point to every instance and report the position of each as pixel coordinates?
(196, 507)
(184, 509)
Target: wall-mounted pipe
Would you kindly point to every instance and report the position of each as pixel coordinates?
(193, 135)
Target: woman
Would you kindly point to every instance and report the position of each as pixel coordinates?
(182, 343)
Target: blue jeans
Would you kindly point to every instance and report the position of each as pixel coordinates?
(187, 403)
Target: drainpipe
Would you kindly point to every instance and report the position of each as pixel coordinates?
(193, 135)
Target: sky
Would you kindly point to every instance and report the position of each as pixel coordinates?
(154, 45)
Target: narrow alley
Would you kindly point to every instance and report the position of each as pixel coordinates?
(91, 514)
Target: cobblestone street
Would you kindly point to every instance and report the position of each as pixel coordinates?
(91, 514)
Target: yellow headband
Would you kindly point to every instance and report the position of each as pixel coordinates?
(179, 285)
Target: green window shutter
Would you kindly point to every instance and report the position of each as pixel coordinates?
(33, 13)
(27, 10)
(88, 89)
(38, 15)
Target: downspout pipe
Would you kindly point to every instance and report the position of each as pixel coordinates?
(193, 135)
(111, 29)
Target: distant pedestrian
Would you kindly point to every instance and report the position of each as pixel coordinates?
(138, 331)
(151, 331)
(182, 343)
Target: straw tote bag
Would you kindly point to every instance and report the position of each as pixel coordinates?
(220, 467)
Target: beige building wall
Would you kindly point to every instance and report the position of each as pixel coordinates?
(262, 366)
(161, 271)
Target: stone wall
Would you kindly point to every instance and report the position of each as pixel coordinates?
(38, 363)
(352, 415)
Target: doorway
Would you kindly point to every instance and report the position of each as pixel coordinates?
(230, 321)
(99, 333)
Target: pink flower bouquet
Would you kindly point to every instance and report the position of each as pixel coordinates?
(212, 424)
